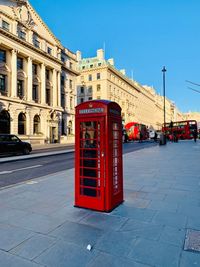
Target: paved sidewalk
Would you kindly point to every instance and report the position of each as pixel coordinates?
(40, 227)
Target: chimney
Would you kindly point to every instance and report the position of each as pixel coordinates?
(111, 61)
(78, 55)
(100, 54)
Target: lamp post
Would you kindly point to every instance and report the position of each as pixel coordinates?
(163, 71)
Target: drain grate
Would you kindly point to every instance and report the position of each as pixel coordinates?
(192, 240)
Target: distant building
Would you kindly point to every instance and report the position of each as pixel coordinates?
(68, 94)
(99, 79)
(192, 116)
(31, 68)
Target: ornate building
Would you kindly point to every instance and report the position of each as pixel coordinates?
(99, 79)
(37, 77)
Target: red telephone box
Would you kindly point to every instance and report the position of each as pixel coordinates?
(98, 155)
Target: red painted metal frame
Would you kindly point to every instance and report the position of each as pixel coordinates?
(106, 113)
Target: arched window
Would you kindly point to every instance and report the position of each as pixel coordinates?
(22, 123)
(70, 127)
(4, 122)
(63, 127)
(36, 124)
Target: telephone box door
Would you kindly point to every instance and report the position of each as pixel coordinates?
(90, 175)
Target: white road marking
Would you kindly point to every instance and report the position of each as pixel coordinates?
(5, 172)
(32, 182)
(21, 169)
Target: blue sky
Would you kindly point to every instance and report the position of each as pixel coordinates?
(141, 35)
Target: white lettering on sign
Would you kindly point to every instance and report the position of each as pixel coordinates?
(91, 110)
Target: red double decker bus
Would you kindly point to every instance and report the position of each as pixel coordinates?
(136, 130)
(181, 129)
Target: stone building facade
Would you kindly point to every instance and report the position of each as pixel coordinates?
(99, 79)
(32, 62)
(69, 75)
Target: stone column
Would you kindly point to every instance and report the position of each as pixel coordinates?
(30, 36)
(13, 122)
(43, 84)
(14, 27)
(54, 89)
(28, 122)
(30, 79)
(14, 73)
(58, 89)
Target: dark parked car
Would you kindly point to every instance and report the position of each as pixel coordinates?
(11, 144)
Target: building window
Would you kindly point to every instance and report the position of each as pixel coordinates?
(98, 87)
(2, 56)
(62, 80)
(21, 33)
(90, 77)
(99, 64)
(36, 124)
(90, 89)
(82, 90)
(91, 66)
(47, 74)
(34, 69)
(62, 99)
(98, 97)
(70, 127)
(20, 88)
(63, 127)
(70, 65)
(21, 123)
(36, 41)
(90, 98)
(3, 84)
(70, 84)
(49, 50)
(83, 67)
(5, 25)
(48, 96)
(19, 63)
(4, 122)
(98, 76)
(82, 100)
(35, 93)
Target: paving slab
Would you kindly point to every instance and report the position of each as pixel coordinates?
(34, 246)
(77, 233)
(64, 254)
(155, 253)
(108, 260)
(189, 259)
(11, 236)
(39, 225)
(9, 260)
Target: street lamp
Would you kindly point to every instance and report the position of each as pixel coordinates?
(163, 71)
